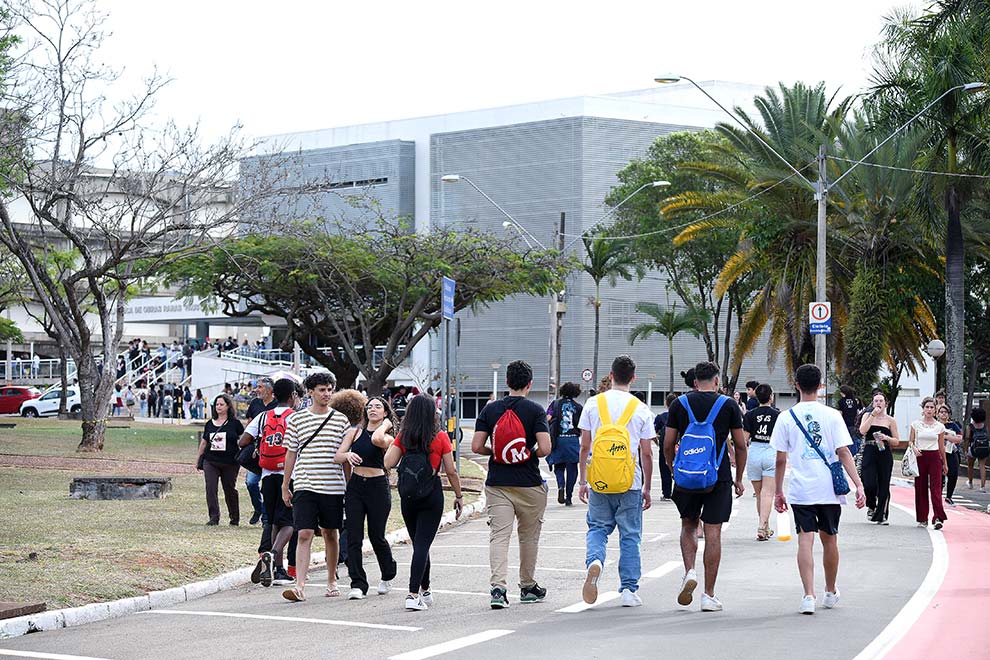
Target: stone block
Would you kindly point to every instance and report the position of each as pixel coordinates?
(120, 488)
(200, 589)
(166, 597)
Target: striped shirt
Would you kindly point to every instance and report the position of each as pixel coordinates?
(315, 470)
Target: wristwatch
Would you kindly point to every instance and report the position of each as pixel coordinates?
(582, 483)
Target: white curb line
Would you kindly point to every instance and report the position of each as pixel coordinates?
(77, 616)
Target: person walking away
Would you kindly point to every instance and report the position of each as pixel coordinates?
(565, 446)
(660, 427)
(814, 437)
(927, 441)
(879, 431)
(199, 404)
(515, 491)
(268, 430)
(953, 442)
(186, 402)
(217, 458)
(118, 401)
(761, 460)
(312, 437)
(368, 494)
(153, 401)
(263, 402)
(703, 481)
(978, 446)
(130, 400)
(419, 450)
(617, 430)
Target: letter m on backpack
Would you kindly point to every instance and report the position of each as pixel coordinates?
(613, 464)
(509, 439)
(695, 465)
(271, 450)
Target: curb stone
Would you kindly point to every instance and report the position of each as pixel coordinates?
(77, 616)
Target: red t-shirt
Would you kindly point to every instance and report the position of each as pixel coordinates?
(439, 446)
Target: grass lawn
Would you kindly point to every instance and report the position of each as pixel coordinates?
(87, 551)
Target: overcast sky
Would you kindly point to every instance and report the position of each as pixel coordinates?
(287, 66)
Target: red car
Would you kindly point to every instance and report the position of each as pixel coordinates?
(12, 396)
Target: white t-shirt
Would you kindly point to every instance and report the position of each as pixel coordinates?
(640, 426)
(254, 430)
(926, 437)
(811, 479)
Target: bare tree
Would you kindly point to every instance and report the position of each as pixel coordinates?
(102, 188)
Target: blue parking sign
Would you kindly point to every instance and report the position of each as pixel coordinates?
(447, 299)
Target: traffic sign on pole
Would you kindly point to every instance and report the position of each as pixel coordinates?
(447, 299)
(820, 318)
(586, 375)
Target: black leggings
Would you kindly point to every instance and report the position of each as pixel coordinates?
(368, 497)
(953, 476)
(877, 467)
(422, 518)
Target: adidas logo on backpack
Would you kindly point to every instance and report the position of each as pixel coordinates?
(696, 465)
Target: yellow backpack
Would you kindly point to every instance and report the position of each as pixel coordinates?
(613, 464)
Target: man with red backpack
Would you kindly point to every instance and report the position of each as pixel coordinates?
(268, 429)
(515, 490)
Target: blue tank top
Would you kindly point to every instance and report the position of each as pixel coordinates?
(371, 456)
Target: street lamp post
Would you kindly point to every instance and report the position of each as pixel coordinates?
(557, 306)
(821, 186)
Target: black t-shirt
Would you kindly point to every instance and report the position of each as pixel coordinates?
(534, 420)
(257, 406)
(759, 423)
(231, 430)
(752, 403)
(849, 407)
(729, 417)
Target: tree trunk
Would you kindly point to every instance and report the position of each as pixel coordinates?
(974, 370)
(376, 381)
(729, 381)
(865, 332)
(95, 388)
(598, 308)
(955, 312)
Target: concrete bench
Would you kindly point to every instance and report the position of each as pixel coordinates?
(120, 488)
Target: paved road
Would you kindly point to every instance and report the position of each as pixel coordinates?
(882, 567)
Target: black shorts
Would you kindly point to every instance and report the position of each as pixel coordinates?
(276, 512)
(713, 508)
(817, 517)
(314, 510)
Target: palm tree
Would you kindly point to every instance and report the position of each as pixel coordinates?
(669, 323)
(917, 61)
(607, 259)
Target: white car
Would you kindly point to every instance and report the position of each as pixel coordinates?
(47, 404)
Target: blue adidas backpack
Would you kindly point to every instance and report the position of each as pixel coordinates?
(695, 465)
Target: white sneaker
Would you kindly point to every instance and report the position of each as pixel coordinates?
(427, 598)
(589, 593)
(384, 587)
(688, 585)
(808, 605)
(630, 598)
(416, 603)
(710, 603)
(831, 599)
(355, 594)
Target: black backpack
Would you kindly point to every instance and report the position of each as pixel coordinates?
(979, 444)
(417, 478)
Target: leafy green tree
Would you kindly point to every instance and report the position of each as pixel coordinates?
(918, 60)
(606, 260)
(353, 288)
(668, 322)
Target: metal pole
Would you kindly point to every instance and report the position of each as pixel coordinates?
(821, 294)
(561, 309)
(495, 383)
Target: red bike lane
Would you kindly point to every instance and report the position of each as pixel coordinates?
(947, 616)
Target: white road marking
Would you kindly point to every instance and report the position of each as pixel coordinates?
(452, 645)
(486, 532)
(582, 606)
(542, 547)
(49, 656)
(657, 537)
(663, 569)
(289, 619)
(912, 611)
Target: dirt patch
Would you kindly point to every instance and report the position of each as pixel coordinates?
(94, 464)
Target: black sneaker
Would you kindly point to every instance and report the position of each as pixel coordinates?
(568, 502)
(255, 518)
(256, 573)
(281, 578)
(534, 594)
(266, 569)
(560, 496)
(499, 598)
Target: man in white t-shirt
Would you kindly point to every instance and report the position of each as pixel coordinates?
(816, 506)
(608, 510)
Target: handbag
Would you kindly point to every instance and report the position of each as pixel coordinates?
(247, 458)
(839, 483)
(909, 464)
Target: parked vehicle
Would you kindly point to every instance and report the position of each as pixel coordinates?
(11, 398)
(47, 404)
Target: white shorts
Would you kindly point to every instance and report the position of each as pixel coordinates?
(761, 461)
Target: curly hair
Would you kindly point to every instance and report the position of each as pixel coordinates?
(351, 403)
(389, 413)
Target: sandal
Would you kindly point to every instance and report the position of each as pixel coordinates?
(294, 594)
(761, 535)
(332, 591)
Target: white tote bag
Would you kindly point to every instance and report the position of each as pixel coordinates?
(909, 464)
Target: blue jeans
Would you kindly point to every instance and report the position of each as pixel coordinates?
(253, 483)
(606, 511)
